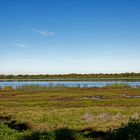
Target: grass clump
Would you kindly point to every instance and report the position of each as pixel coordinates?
(7, 88)
(118, 85)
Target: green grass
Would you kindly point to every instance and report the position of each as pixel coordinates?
(47, 110)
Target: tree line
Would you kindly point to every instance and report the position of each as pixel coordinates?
(72, 76)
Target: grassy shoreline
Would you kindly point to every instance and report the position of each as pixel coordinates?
(76, 79)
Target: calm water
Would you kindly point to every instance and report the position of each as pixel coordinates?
(66, 83)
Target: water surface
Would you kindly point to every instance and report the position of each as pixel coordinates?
(66, 83)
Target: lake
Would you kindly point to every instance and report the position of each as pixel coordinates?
(65, 83)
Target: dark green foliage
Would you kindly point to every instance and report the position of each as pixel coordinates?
(7, 133)
(59, 134)
(73, 76)
(130, 131)
(40, 136)
(67, 134)
(13, 124)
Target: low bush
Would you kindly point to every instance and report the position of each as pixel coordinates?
(129, 131)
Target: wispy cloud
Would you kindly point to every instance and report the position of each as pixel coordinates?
(21, 45)
(45, 32)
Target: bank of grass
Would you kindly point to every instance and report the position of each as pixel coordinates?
(129, 131)
(49, 109)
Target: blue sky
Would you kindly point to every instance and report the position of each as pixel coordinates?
(69, 36)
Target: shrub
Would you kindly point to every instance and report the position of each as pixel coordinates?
(130, 131)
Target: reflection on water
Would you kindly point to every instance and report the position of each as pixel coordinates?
(66, 83)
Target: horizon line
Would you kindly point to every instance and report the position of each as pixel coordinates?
(70, 73)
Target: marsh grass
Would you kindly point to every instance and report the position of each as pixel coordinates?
(118, 85)
(47, 110)
(38, 88)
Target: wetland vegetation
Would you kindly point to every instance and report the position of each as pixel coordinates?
(66, 113)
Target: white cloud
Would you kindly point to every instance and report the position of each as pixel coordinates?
(20, 45)
(45, 33)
